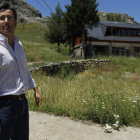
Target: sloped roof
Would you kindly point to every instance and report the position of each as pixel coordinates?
(98, 33)
(119, 24)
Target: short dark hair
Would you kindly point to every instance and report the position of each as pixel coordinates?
(6, 6)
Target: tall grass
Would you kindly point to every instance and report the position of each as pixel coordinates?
(36, 48)
(97, 94)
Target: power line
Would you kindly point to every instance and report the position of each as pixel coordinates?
(42, 7)
(48, 6)
(40, 22)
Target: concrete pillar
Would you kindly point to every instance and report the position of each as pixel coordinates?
(110, 50)
(91, 50)
(131, 51)
(83, 53)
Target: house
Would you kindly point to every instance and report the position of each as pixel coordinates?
(110, 38)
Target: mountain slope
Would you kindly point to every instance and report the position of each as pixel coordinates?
(123, 17)
(27, 13)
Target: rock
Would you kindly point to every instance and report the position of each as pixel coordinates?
(128, 19)
(42, 20)
(26, 13)
(22, 20)
(131, 17)
(77, 66)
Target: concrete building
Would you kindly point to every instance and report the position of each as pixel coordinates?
(110, 38)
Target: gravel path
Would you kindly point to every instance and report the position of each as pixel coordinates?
(49, 127)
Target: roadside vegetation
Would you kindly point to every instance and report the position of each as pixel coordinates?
(98, 94)
(108, 94)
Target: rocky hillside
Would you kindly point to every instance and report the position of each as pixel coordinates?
(26, 13)
(121, 17)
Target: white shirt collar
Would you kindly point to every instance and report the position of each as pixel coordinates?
(5, 39)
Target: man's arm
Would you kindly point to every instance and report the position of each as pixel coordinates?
(38, 99)
(31, 82)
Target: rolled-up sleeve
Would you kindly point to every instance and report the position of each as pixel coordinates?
(27, 78)
(31, 81)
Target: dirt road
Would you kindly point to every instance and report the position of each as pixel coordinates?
(49, 127)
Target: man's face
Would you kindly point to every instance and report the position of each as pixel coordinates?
(7, 23)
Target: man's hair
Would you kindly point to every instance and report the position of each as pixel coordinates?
(6, 6)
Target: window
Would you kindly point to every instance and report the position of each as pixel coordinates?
(118, 32)
(134, 32)
(138, 32)
(123, 32)
(114, 32)
(128, 32)
(108, 32)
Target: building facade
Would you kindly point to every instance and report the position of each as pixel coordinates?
(110, 38)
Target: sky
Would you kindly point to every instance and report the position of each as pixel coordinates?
(129, 7)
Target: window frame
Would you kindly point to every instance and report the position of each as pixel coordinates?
(112, 31)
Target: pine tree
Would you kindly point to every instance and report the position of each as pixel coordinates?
(81, 14)
(54, 33)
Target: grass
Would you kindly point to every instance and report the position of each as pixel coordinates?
(36, 48)
(96, 94)
(99, 94)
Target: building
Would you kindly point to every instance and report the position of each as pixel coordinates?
(110, 38)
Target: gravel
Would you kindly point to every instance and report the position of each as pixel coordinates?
(49, 127)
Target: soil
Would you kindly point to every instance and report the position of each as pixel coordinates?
(49, 127)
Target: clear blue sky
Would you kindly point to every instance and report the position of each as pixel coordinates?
(129, 7)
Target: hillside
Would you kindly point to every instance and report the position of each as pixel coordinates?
(36, 49)
(26, 12)
(117, 16)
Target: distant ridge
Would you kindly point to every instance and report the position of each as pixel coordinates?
(124, 17)
(27, 13)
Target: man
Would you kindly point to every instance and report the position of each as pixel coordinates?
(15, 80)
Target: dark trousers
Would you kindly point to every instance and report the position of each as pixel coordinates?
(14, 120)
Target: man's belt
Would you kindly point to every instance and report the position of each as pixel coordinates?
(12, 97)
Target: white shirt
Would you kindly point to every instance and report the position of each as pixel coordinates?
(15, 78)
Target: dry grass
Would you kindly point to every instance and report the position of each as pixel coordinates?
(96, 94)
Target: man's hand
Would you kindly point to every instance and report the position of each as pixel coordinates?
(38, 99)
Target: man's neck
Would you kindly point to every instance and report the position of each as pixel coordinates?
(11, 42)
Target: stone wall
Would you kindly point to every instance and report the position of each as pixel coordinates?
(77, 66)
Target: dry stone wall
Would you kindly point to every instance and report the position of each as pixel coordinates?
(76, 66)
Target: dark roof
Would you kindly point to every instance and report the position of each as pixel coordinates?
(119, 24)
(98, 33)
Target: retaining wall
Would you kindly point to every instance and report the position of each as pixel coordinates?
(76, 66)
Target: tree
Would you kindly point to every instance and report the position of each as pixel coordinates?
(118, 17)
(115, 17)
(110, 17)
(70, 30)
(54, 33)
(81, 14)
